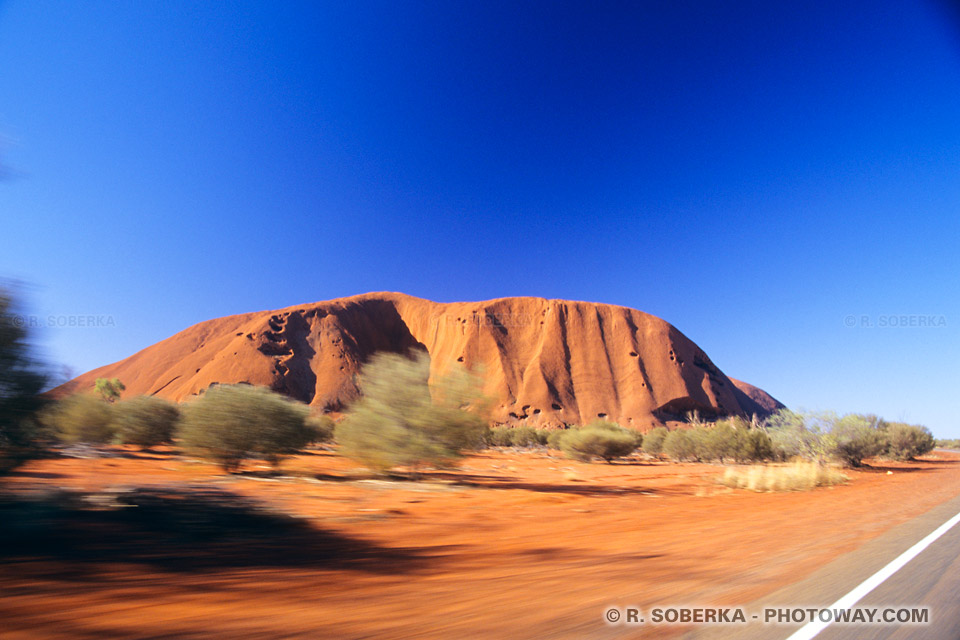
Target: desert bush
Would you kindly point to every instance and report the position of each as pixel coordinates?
(653, 440)
(907, 441)
(554, 437)
(598, 441)
(801, 435)
(756, 445)
(722, 442)
(516, 437)
(613, 426)
(680, 445)
(21, 381)
(528, 437)
(948, 443)
(81, 417)
(322, 428)
(855, 438)
(109, 388)
(401, 421)
(798, 476)
(145, 421)
(231, 423)
(498, 437)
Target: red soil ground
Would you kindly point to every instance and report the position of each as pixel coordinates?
(511, 545)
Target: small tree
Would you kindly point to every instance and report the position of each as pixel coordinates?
(81, 418)
(804, 435)
(755, 445)
(907, 441)
(653, 440)
(109, 388)
(680, 445)
(21, 381)
(556, 436)
(145, 421)
(855, 438)
(722, 442)
(322, 428)
(231, 423)
(598, 441)
(401, 421)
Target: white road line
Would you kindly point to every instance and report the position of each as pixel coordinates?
(811, 629)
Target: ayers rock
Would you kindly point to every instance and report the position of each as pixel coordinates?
(546, 362)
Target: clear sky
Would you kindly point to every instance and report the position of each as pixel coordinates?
(760, 174)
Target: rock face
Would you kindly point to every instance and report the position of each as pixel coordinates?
(546, 362)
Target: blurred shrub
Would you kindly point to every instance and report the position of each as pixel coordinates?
(798, 476)
(600, 440)
(554, 437)
(720, 442)
(613, 426)
(948, 443)
(231, 423)
(756, 445)
(109, 388)
(528, 437)
(653, 440)
(21, 381)
(81, 417)
(681, 445)
(855, 438)
(734, 439)
(907, 441)
(820, 437)
(801, 435)
(401, 421)
(516, 437)
(498, 437)
(145, 421)
(322, 428)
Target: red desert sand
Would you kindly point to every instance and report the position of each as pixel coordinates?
(511, 545)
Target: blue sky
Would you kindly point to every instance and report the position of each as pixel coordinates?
(755, 173)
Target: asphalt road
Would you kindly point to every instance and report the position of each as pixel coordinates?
(931, 579)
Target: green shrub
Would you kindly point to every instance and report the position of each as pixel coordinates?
(21, 381)
(736, 439)
(81, 418)
(231, 423)
(109, 388)
(322, 428)
(498, 437)
(516, 437)
(613, 426)
(401, 421)
(756, 445)
(528, 437)
(948, 443)
(721, 442)
(145, 421)
(598, 441)
(681, 445)
(801, 435)
(856, 438)
(653, 440)
(907, 441)
(555, 436)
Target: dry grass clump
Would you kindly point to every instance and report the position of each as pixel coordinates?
(798, 476)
